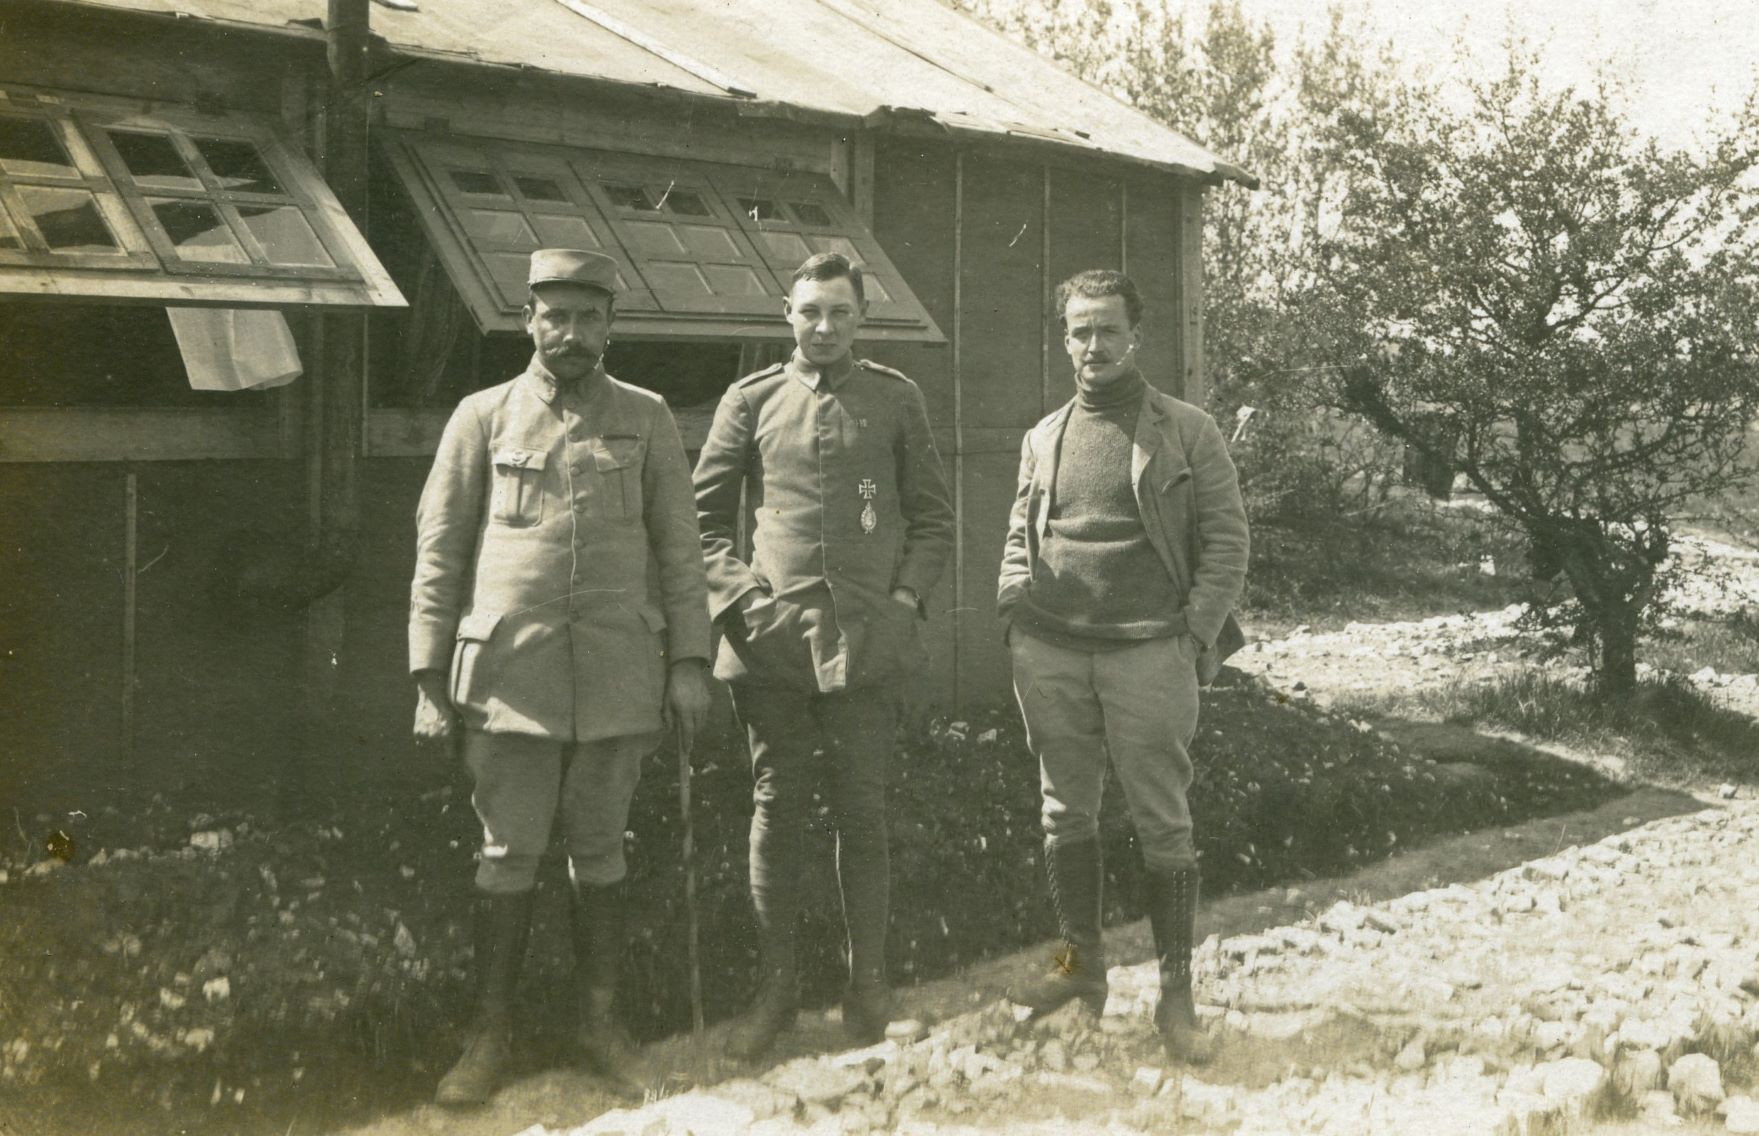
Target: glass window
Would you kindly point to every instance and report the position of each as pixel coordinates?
(285, 235)
(703, 250)
(198, 231)
(479, 182)
(631, 197)
(540, 189)
(237, 165)
(147, 204)
(153, 160)
(28, 146)
(68, 219)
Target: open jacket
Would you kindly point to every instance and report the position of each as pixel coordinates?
(1189, 495)
(558, 568)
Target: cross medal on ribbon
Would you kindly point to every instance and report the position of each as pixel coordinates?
(869, 518)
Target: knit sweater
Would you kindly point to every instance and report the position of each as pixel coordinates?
(1098, 582)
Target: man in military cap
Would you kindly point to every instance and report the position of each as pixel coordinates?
(558, 621)
(852, 526)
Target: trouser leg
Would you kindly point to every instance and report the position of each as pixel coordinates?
(1148, 696)
(596, 791)
(859, 731)
(782, 734)
(1065, 731)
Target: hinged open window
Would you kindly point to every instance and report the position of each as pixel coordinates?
(705, 250)
(100, 199)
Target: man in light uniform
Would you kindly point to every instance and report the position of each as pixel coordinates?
(558, 620)
(852, 526)
(1126, 552)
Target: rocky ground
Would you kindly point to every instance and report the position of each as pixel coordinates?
(1611, 986)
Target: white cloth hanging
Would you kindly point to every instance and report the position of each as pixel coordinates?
(235, 349)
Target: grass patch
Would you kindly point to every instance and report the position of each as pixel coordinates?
(1406, 560)
(1729, 645)
(1668, 730)
(343, 943)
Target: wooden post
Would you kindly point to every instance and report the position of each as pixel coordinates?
(130, 564)
(1193, 387)
(958, 428)
(338, 393)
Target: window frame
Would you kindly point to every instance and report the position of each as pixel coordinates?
(150, 267)
(647, 308)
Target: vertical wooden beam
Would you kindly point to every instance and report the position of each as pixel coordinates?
(1124, 226)
(958, 428)
(1045, 320)
(1193, 384)
(130, 565)
(861, 189)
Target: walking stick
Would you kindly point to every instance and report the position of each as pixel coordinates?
(690, 884)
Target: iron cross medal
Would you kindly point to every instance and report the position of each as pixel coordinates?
(869, 518)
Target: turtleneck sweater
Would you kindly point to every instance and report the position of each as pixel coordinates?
(1098, 583)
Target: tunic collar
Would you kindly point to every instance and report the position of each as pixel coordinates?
(546, 386)
(813, 376)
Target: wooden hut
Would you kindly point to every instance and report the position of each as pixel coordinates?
(185, 568)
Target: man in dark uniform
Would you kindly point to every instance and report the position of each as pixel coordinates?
(1126, 553)
(852, 526)
(559, 619)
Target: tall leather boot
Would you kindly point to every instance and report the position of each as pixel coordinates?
(775, 886)
(1172, 913)
(864, 878)
(597, 921)
(1077, 883)
(502, 928)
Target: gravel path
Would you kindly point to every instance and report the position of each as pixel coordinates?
(1612, 985)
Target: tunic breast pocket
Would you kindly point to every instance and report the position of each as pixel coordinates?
(618, 459)
(518, 494)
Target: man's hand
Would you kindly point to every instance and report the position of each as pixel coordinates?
(907, 597)
(436, 721)
(686, 705)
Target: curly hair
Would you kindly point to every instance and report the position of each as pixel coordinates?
(1097, 283)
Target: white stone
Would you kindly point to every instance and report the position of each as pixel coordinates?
(1741, 1114)
(1572, 1079)
(1695, 1081)
(1638, 1071)
(1413, 1055)
(1147, 1081)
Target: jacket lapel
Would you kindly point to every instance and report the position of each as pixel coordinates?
(1051, 449)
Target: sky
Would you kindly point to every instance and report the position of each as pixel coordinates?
(1680, 58)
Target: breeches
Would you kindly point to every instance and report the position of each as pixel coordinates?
(1137, 704)
(524, 784)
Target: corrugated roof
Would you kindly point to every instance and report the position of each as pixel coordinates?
(868, 59)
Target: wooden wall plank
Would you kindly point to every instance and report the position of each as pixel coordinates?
(108, 434)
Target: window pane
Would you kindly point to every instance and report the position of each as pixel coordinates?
(560, 231)
(499, 227)
(734, 280)
(787, 247)
(477, 181)
(689, 204)
(875, 288)
(238, 165)
(540, 189)
(68, 219)
(29, 146)
(631, 197)
(152, 158)
(838, 244)
(760, 208)
(809, 213)
(286, 236)
(678, 280)
(198, 231)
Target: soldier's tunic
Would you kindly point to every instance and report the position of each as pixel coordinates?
(848, 502)
(817, 452)
(558, 572)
